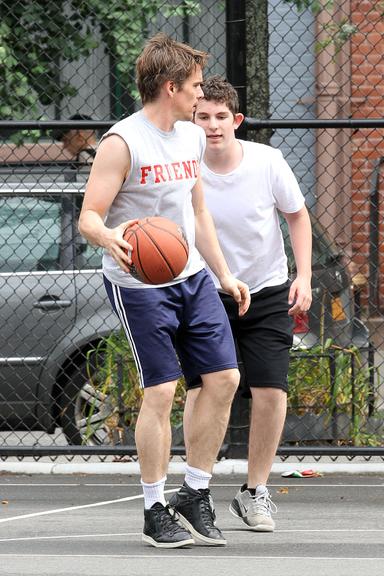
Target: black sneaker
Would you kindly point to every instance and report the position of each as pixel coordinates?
(161, 528)
(196, 513)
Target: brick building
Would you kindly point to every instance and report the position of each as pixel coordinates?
(367, 101)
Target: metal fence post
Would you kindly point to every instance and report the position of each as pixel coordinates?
(374, 290)
(236, 54)
(237, 75)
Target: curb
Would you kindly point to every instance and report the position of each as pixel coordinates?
(224, 467)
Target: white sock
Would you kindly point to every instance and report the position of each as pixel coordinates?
(153, 492)
(261, 489)
(196, 478)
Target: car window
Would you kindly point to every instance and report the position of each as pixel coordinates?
(30, 232)
(89, 257)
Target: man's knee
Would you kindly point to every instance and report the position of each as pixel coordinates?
(233, 380)
(159, 398)
(222, 384)
(268, 394)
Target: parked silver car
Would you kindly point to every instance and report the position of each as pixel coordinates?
(54, 308)
(53, 305)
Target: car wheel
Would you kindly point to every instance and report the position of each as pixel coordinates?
(87, 415)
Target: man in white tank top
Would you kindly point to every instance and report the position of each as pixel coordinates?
(246, 186)
(148, 165)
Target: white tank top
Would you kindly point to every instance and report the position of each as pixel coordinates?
(163, 172)
(244, 204)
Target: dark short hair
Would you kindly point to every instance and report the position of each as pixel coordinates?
(220, 90)
(59, 133)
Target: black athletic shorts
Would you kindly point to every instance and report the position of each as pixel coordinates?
(263, 336)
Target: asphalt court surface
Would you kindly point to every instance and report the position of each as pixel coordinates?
(91, 525)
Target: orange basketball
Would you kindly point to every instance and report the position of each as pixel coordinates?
(159, 250)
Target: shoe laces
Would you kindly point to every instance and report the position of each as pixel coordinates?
(169, 520)
(262, 504)
(206, 507)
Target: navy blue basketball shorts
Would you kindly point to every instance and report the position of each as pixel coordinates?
(175, 330)
(264, 337)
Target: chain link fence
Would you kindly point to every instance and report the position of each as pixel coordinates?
(310, 83)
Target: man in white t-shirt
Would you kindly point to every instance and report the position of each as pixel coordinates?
(246, 186)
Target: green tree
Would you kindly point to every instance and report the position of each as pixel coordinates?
(37, 37)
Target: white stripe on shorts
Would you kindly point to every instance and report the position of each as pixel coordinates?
(124, 321)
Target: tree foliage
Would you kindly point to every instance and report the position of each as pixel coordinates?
(37, 37)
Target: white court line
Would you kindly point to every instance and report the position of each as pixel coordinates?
(69, 536)
(194, 556)
(128, 534)
(70, 508)
(316, 530)
(212, 485)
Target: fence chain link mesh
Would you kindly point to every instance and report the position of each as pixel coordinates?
(307, 73)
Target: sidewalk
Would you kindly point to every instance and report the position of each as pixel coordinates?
(177, 466)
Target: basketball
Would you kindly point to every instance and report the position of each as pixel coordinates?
(159, 250)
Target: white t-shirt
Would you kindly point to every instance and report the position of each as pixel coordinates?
(244, 205)
(164, 169)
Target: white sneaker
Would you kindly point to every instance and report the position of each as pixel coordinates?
(255, 511)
